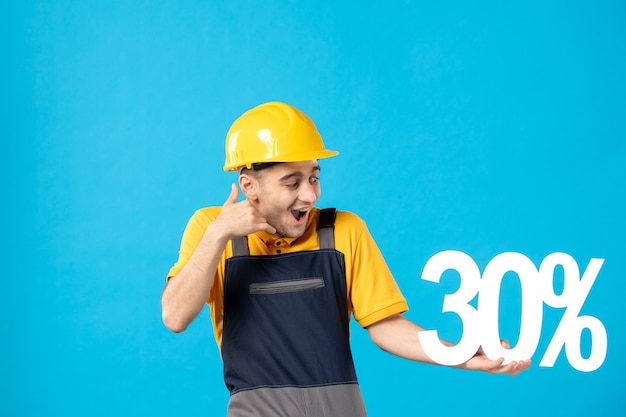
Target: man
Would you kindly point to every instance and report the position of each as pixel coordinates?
(282, 278)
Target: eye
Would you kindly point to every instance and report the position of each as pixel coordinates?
(314, 180)
(294, 185)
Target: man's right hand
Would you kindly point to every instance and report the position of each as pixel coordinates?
(239, 218)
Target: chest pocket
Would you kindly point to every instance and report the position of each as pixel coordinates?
(279, 287)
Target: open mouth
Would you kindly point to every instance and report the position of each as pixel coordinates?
(299, 214)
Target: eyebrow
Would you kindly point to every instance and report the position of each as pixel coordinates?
(298, 174)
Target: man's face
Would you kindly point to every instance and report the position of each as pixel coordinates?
(286, 194)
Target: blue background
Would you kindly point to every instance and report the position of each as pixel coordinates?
(482, 127)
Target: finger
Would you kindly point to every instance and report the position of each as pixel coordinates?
(525, 364)
(517, 367)
(259, 222)
(509, 368)
(505, 344)
(234, 195)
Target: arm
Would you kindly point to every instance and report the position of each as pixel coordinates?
(399, 336)
(186, 293)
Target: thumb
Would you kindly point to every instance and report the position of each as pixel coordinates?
(234, 195)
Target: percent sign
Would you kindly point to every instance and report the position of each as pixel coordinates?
(480, 325)
(572, 298)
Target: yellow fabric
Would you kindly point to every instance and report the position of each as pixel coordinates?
(372, 292)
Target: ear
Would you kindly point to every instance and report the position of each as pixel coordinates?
(249, 186)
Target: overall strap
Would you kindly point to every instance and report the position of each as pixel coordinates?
(240, 246)
(326, 228)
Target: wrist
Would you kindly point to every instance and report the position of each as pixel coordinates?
(216, 236)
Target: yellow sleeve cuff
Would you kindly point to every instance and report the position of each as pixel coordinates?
(397, 308)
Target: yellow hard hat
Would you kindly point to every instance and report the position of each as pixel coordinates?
(273, 132)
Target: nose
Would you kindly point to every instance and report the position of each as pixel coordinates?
(309, 193)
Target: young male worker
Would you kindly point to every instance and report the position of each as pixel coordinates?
(282, 278)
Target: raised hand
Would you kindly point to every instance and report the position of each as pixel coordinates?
(239, 218)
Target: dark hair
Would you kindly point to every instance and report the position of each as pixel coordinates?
(260, 166)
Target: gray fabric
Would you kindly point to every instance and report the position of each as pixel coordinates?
(240, 246)
(326, 401)
(326, 238)
(326, 228)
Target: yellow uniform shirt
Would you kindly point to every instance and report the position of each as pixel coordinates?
(372, 292)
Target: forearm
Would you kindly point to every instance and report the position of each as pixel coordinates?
(399, 336)
(186, 293)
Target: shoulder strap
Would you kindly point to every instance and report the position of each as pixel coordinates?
(240, 246)
(326, 228)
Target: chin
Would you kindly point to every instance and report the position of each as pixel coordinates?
(292, 233)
